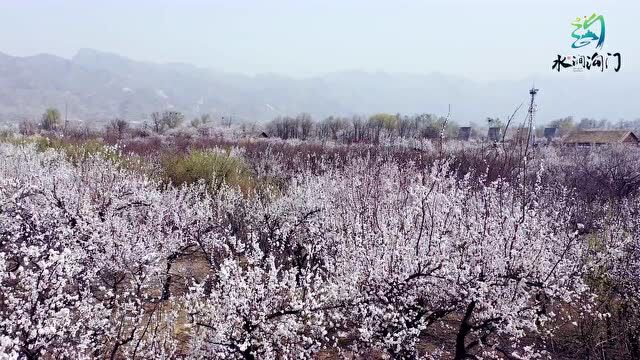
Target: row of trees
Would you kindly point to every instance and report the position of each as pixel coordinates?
(160, 122)
(51, 120)
(359, 129)
(356, 129)
(568, 124)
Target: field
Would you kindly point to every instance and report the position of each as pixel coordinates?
(200, 246)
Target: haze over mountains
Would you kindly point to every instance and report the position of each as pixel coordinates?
(98, 86)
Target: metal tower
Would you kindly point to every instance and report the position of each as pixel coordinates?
(531, 114)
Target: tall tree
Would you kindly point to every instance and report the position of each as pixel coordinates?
(51, 119)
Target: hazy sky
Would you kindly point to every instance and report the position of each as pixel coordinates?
(507, 39)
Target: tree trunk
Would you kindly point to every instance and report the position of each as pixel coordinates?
(465, 328)
(166, 287)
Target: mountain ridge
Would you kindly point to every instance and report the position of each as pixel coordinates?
(98, 86)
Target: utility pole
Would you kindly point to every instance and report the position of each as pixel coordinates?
(531, 114)
(66, 119)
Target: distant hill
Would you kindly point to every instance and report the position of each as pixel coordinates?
(98, 86)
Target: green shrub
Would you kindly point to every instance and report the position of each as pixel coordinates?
(215, 168)
(77, 152)
(6, 136)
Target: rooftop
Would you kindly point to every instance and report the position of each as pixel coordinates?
(600, 136)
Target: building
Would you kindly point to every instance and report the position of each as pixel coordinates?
(494, 134)
(600, 137)
(464, 133)
(550, 133)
